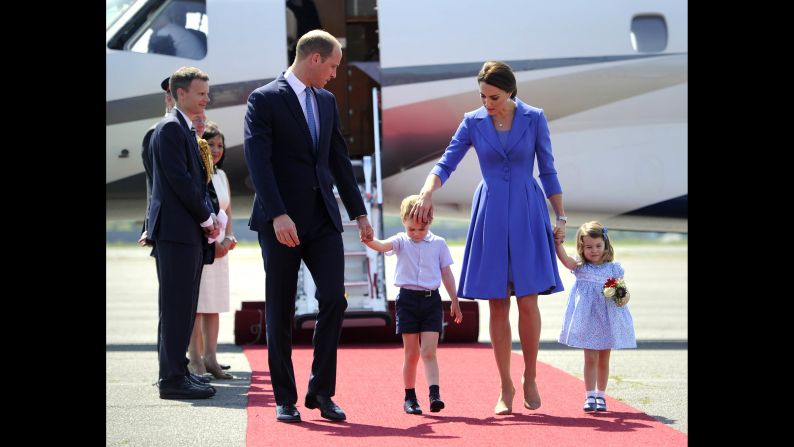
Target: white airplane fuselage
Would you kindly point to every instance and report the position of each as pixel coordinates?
(617, 115)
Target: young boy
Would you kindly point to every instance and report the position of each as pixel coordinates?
(423, 261)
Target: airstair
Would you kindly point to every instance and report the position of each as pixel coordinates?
(365, 291)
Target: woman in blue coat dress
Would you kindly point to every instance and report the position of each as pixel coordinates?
(510, 244)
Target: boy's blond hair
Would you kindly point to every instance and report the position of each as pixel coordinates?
(406, 205)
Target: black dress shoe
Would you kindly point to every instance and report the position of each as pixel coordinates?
(287, 413)
(185, 390)
(436, 404)
(411, 406)
(328, 409)
(224, 366)
(202, 379)
(196, 380)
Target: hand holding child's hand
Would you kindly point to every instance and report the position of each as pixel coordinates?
(454, 312)
(559, 235)
(365, 231)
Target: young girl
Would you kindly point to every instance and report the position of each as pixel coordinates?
(592, 321)
(423, 261)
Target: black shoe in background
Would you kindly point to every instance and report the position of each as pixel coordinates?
(185, 389)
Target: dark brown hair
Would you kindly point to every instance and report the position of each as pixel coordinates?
(499, 75)
(211, 131)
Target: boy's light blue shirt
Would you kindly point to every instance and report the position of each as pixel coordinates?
(419, 264)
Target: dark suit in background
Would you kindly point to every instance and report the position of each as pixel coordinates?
(146, 157)
(178, 205)
(291, 177)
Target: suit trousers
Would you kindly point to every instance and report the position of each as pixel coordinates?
(179, 269)
(322, 250)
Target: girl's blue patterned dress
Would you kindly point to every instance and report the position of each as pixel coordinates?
(593, 321)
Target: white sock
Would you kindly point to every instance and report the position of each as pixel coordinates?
(589, 394)
(599, 393)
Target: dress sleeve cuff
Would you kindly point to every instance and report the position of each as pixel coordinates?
(440, 172)
(551, 185)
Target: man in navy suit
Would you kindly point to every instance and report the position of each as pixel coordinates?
(295, 153)
(180, 219)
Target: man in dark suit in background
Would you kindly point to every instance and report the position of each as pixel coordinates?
(180, 219)
(146, 156)
(295, 152)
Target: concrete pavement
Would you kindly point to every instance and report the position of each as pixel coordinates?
(652, 378)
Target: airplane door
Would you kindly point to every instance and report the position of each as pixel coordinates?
(355, 24)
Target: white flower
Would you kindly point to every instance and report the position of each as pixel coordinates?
(609, 292)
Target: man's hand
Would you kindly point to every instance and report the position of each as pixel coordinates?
(286, 232)
(213, 230)
(365, 231)
(144, 241)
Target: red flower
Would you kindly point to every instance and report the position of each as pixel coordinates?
(611, 282)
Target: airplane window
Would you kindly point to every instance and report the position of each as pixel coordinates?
(114, 9)
(179, 28)
(648, 33)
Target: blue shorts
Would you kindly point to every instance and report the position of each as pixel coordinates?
(418, 311)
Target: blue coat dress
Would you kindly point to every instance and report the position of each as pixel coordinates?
(509, 225)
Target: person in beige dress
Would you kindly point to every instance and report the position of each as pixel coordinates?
(214, 289)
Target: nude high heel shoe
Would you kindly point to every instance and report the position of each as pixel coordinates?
(531, 395)
(505, 403)
(217, 372)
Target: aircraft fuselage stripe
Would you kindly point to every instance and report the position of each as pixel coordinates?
(151, 106)
(427, 73)
(236, 93)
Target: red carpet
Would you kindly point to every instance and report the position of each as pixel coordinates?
(370, 390)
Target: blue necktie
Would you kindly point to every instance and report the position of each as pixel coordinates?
(310, 117)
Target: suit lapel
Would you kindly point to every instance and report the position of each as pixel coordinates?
(521, 122)
(191, 140)
(323, 108)
(294, 106)
(486, 128)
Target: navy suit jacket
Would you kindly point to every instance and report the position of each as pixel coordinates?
(179, 202)
(146, 156)
(285, 168)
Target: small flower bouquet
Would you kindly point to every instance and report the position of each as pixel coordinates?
(206, 158)
(615, 288)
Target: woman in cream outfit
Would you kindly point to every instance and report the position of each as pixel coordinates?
(214, 289)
